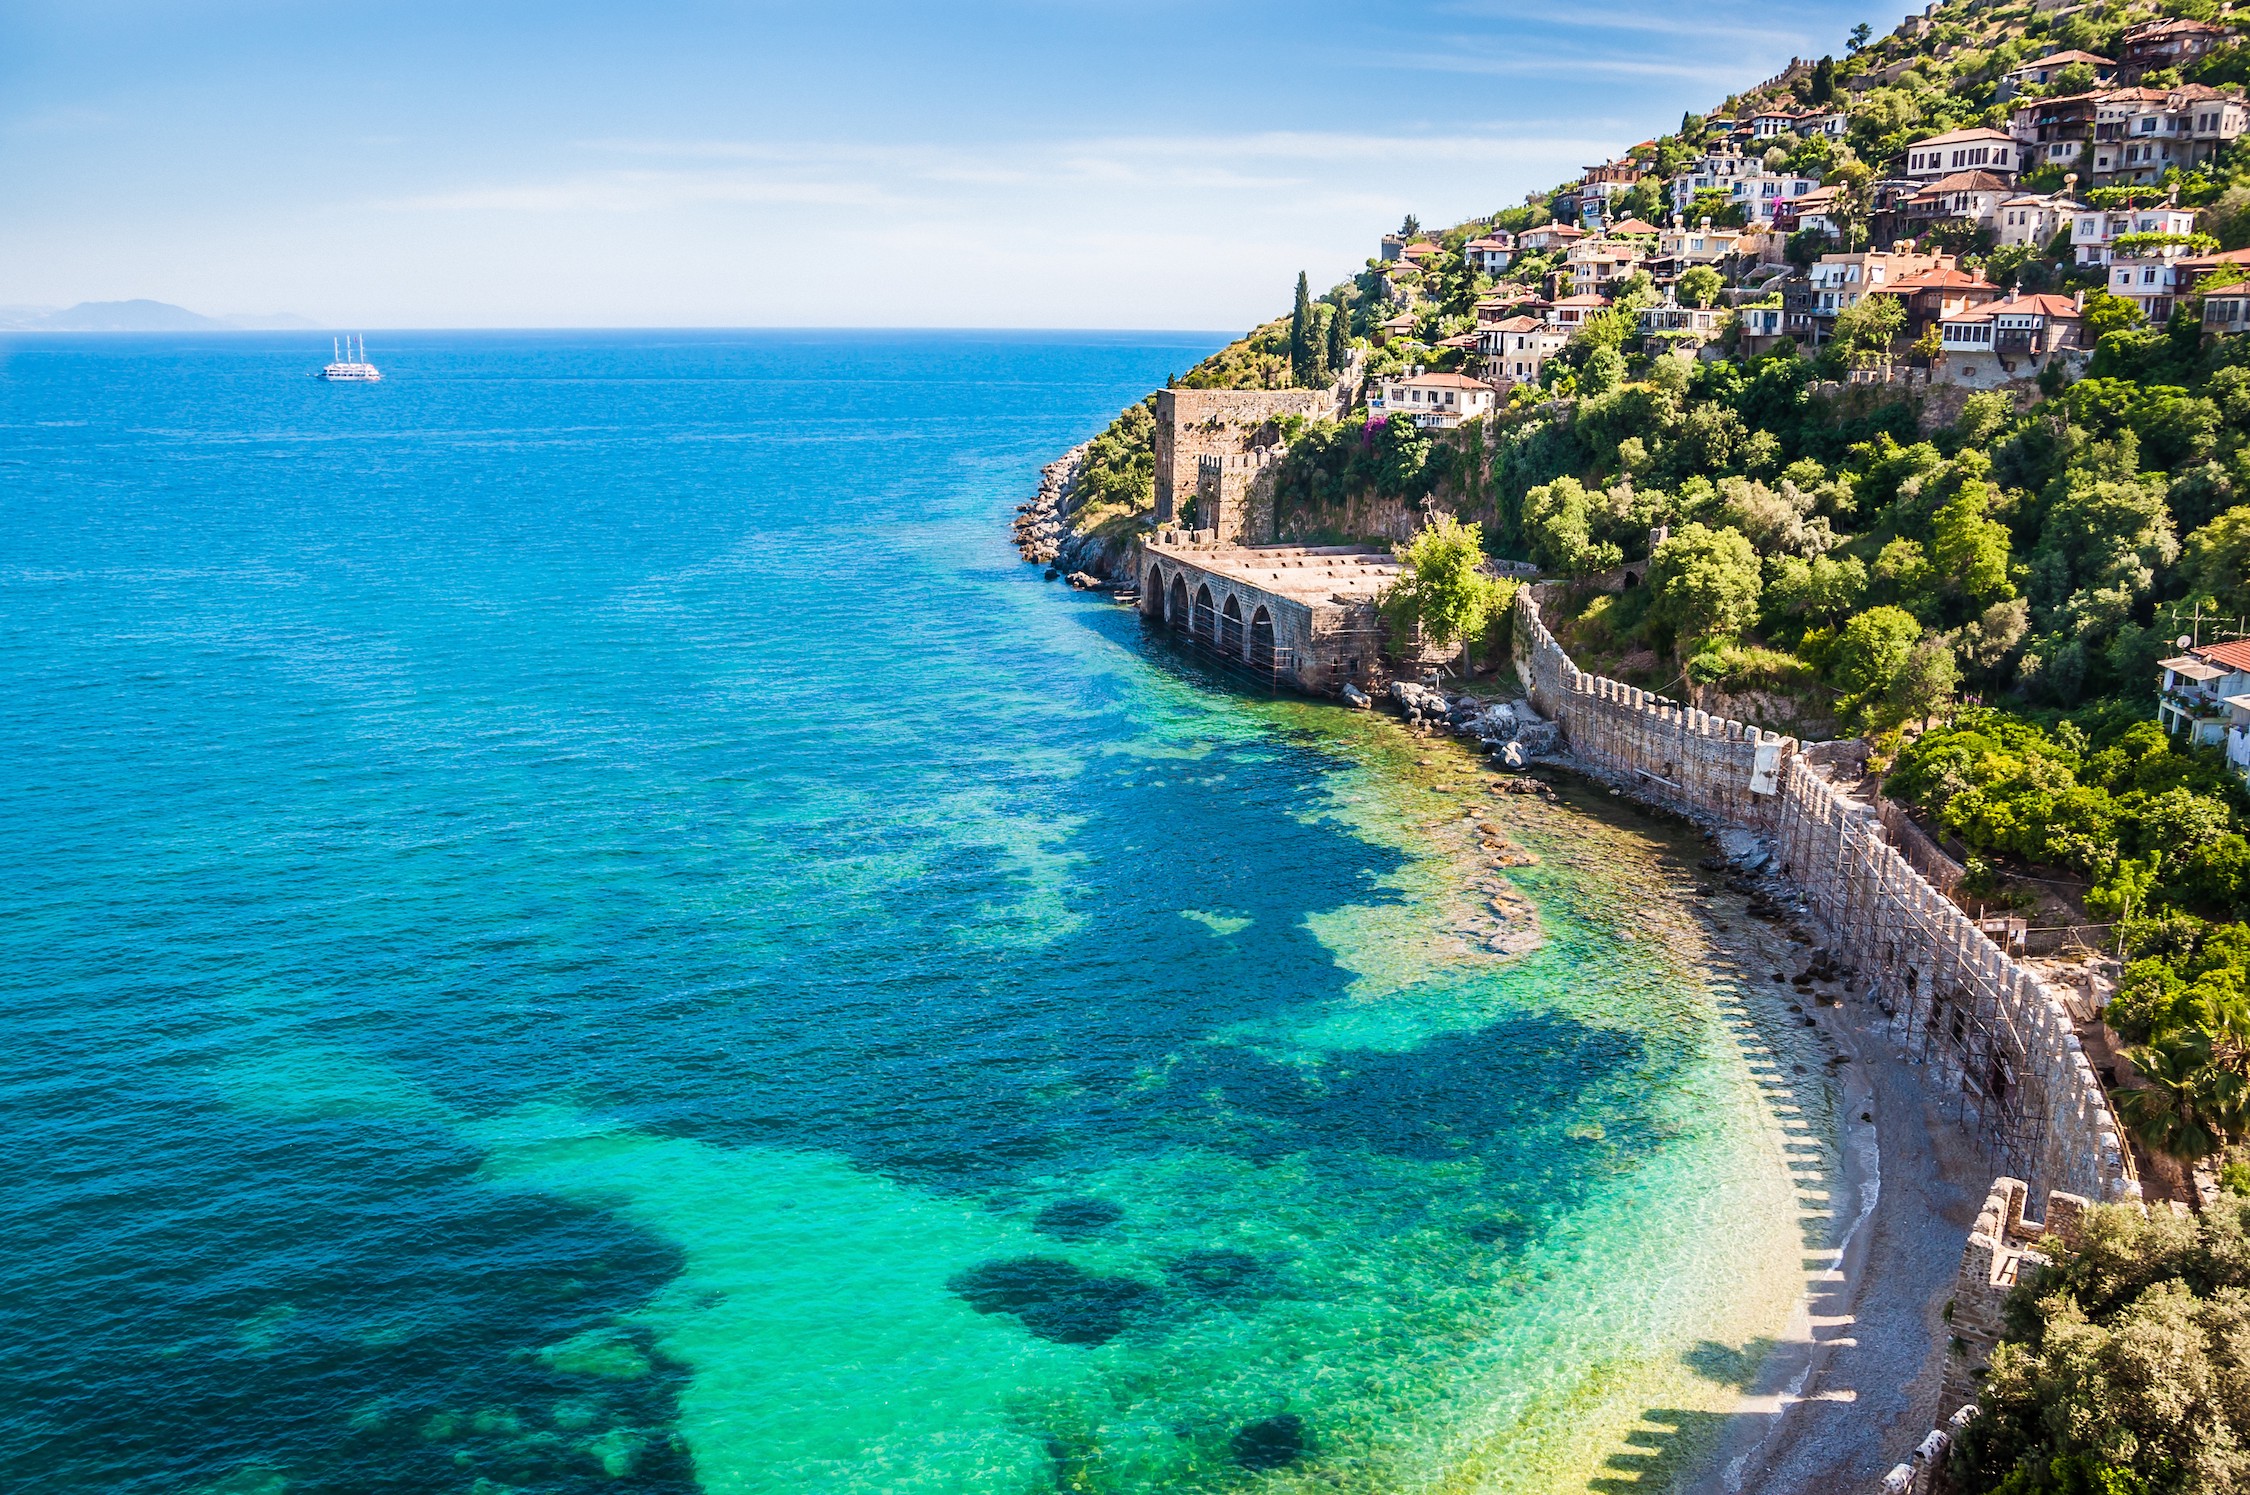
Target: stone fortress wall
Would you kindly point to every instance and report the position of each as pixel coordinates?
(2000, 1040)
(2003, 1247)
(1192, 424)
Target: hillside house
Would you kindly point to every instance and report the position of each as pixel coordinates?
(2093, 230)
(1681, 327)
(2157, 278)
(1515, 350)
(2140, 133)
(1440, 401)
(2012, 338)
(1679, 249)
(1570, 312)
(1980, 149)
(1634, 228)
(2226, 310)
(1490, 253)
(1548, 236)
(2161, 44)
(2034, 220)
(1420, 251)
(1599, 264)
(1944, 290)
(2042, 71)
(1819, 211)
(1748, 185)
(1762, 327)
(2054, 132)
(1964, 197)
(1772, 124)
(1512, 301)
(2204, 695)
(1839, 281)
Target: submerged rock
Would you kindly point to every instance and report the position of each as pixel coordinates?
(1056, 1300)
(1077, 1219)
(1272, 1442)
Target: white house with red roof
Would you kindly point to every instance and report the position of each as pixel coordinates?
(1439, 400)
(1548, 236)
(2093, 230)
(1570, 312)
(1490, 253)
(2206, 693)
(1515, 349)
(1980, 149)
(2015, 337)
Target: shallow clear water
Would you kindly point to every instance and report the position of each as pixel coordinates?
(574, 920)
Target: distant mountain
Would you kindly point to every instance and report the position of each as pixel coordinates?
(139, 316)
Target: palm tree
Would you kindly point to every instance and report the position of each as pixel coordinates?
(2169, 1114)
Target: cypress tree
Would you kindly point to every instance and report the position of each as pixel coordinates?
(1301, 336)
(1824, 80)
(1339, 340)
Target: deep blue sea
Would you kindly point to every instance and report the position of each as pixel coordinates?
(575, 920)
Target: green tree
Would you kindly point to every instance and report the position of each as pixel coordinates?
(1925, 684)
(1870, 655)
(2120, 1371)
(1703, 583)
(1858, 37)
(1970, 549)
(1866, 329)
(1823, 86)
(1442, 589)
(2217, 560)
(2106, 313)
(1339, 341)
(1700, 285)
(1303, 354)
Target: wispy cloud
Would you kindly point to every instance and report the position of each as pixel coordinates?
(1754, 29)
(1308, 167)
(1547, 65)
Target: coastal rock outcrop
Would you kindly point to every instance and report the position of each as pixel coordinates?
(1042, 527)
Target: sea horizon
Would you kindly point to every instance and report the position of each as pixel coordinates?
(584, 917)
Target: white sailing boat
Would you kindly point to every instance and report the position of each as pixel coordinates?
(350, 365)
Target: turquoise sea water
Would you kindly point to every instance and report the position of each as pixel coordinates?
(576, 921)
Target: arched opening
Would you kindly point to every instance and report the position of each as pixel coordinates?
(1230, 628)
(1152, 595)
(1261, 639)
(1177, 613)
(1631, 581)
(1206, 616)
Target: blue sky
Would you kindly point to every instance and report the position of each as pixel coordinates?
(1078, 163)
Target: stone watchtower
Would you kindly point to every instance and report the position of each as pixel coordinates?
(1192, 424)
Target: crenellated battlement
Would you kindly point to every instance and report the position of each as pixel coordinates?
(2000, 1037)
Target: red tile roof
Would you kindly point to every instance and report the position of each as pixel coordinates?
(1947, 278)
(2042, 305)
(1964, 181)
(2234, 656)
(1442, 381)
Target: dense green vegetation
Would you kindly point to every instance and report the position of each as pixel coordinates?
(2126, 1370)
(1985, 595)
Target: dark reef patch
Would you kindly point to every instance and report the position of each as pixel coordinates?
(1218, 1273)
(1271, 1442)
(1078, 1219)
(1055, 1299)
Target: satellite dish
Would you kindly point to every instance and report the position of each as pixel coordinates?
(2183, 642)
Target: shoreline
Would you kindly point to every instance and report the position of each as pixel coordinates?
(1853, 1383)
